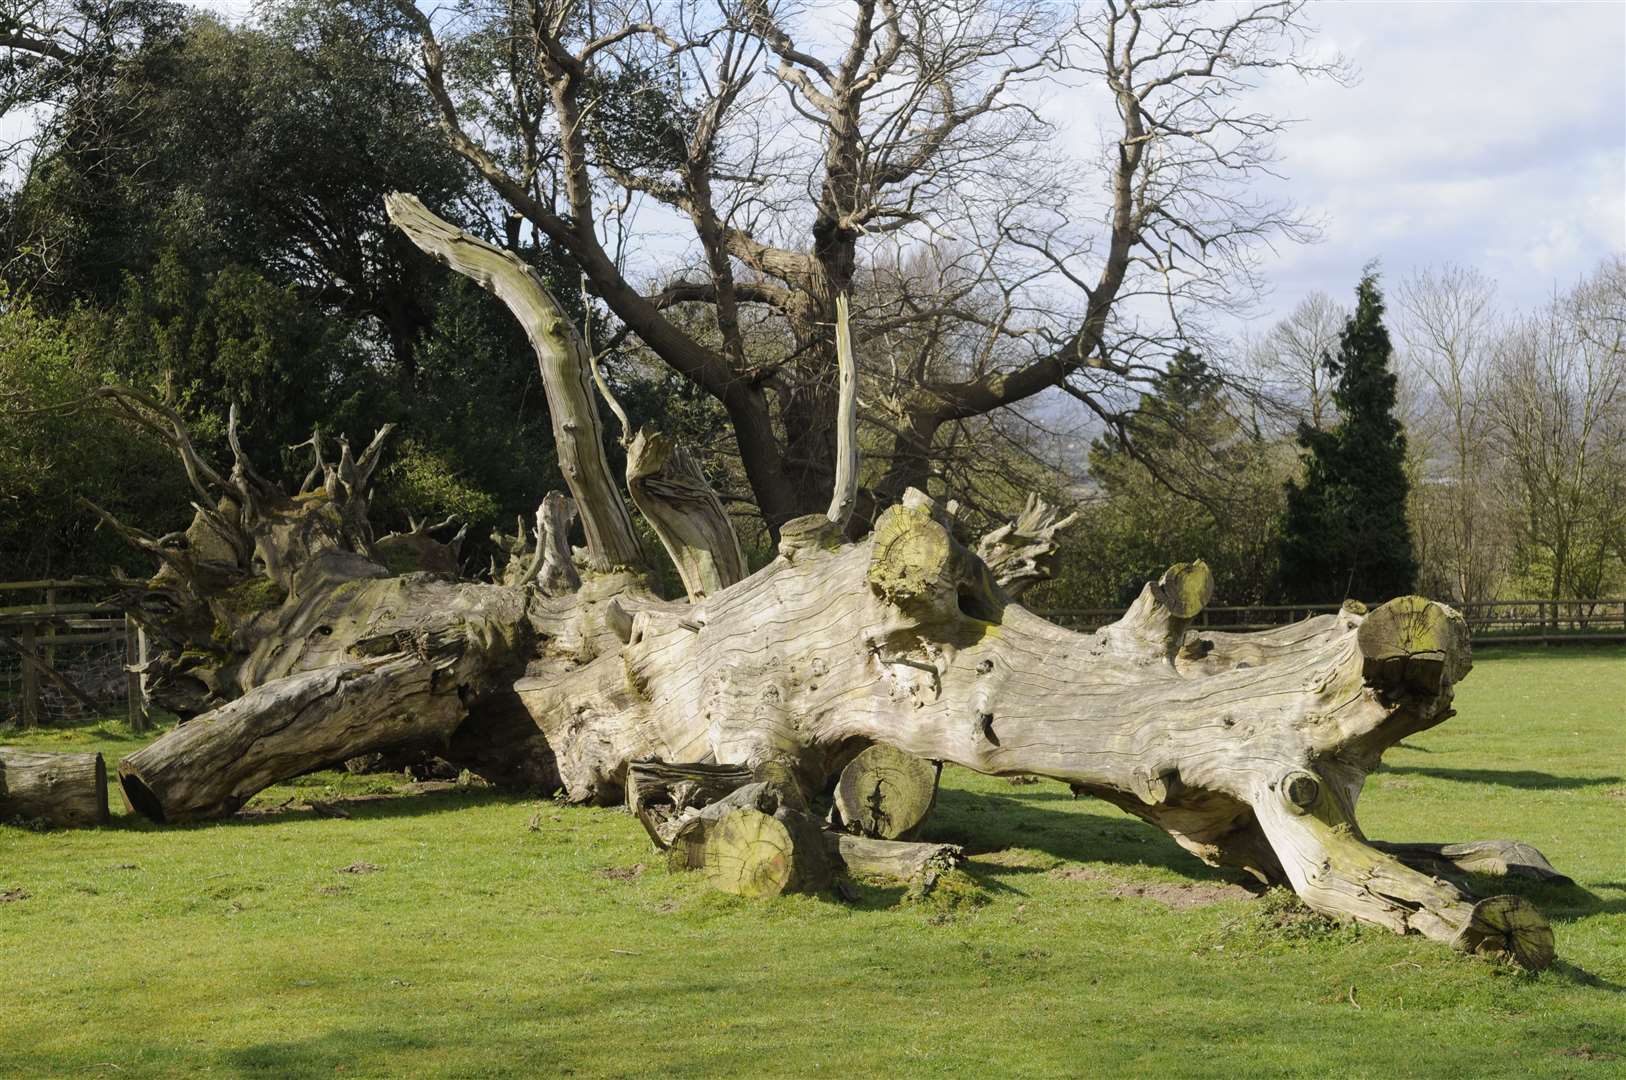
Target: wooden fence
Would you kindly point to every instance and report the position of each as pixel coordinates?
(44, 625)
(1507, 622)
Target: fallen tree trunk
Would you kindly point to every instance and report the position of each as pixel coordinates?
(1250, 750)
(62, 790)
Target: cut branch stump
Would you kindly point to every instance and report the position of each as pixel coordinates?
(63, 790)
(886, 793)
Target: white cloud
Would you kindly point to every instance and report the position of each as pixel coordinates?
(1487, 134)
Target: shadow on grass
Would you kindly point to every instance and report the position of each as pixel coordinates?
(1527, 779)
(1582, 977)
(358, 807)
(984, 823)
(1560, 903)
(367, 1051)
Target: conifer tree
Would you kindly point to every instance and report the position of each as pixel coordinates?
(1345, 533)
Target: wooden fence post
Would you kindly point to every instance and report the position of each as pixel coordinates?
(49, 650)
(135, 656)
(32, 706)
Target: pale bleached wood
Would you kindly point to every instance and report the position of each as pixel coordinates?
(671, 492)
(562, 358)
(557, 575)
(898, 859)
(1023, 552)
(845, 496)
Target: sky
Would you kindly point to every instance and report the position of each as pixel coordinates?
(1488, 134)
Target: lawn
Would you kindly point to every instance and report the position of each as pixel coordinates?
(498, 936)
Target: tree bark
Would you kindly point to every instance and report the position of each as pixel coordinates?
(867, 857)
(63, 790)
(668, 488)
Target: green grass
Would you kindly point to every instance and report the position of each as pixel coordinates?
(482, 948)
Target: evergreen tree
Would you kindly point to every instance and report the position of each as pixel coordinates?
(1346, 533)
(1191, 482)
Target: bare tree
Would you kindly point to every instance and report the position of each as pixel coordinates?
(1294, 360)
(1448, 328)
(806, 155)
(1559, 406)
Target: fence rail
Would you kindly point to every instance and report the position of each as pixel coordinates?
(67, 659)
(1508, 622)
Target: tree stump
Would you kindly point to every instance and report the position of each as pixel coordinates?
(749, 853)
(1509, 927)
(885, 793)
(63, 790)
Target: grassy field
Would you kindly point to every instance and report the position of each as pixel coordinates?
(495, 936)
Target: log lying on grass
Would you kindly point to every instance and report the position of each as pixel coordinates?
(1492, 858)
(750, 853)
(1250, 750)
(864, 856)
(885, 793)
(752, 857)
(62, 790)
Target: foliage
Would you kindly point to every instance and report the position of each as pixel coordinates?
(227, 245)
(1345, 533)
(1190, 482)
(56, 449)
(482, 948)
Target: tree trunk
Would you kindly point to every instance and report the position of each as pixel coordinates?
(867, 857)
(63, 790)
(1250, 750)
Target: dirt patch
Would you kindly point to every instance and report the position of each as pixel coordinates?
(360, 868)
(1077, 873)
(1182, 896)
(333, 890)
(1017, 857)
(621, 873)
(1616, 793)
(1586, 1053)
(12, 896)
(1021, 781)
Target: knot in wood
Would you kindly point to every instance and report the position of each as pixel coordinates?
(1301, 790)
